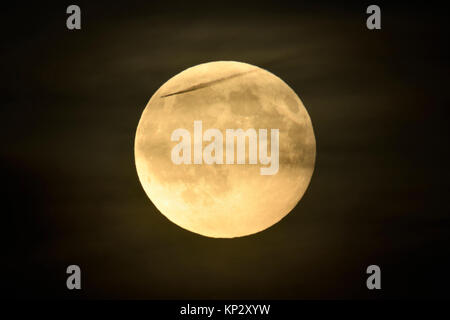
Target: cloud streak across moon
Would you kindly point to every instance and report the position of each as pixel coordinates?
(207, 84)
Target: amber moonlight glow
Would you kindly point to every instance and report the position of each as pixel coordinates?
(224, 200)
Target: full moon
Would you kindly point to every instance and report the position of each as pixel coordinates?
(224, 200)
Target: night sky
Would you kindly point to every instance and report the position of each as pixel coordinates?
(378, 101)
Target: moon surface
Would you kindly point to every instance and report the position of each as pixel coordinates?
(224, 200)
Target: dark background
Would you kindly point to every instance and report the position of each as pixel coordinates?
(72, 100)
